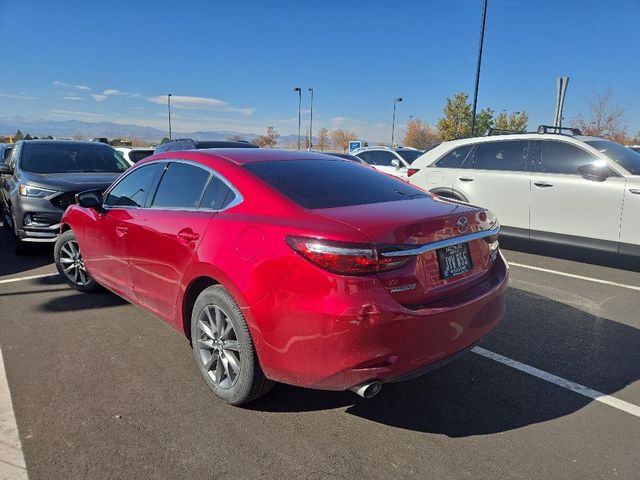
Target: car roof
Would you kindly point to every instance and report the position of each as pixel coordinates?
(61, 142)
(243, 156)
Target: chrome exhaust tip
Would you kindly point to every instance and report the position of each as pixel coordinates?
(367, 389)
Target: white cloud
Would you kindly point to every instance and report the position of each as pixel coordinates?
(113, 91)
(17, 97)
(71, 97)
(71, 85)
(199, 103)
(75, 114)
(99, 98)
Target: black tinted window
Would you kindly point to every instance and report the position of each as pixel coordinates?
(454, 158)
(382, 159)
(332, 183)
(561, 157)
(70, 157)
(137, 155)
(181, 186)
(409, 155)
(509, 156)
(133, 190)
(217, 195)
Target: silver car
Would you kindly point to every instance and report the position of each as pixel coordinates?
(568, 189)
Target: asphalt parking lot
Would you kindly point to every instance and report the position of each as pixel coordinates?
(101, 389)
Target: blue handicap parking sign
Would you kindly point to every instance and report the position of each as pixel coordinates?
(354, 145)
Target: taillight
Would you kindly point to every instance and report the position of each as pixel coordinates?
(343, 257)
(411, 171)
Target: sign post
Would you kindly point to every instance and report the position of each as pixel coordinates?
(562, 89)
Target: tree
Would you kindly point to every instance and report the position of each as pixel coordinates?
(341, 138)
(236, 137)
(269, 140)
(604, 118)
(28, 136)
(323, 139)
(18, 136)
(77, 136)
(164, 140)
(419, 135)
(456, 120)
(516, 121)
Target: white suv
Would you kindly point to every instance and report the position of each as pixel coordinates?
(568, 189)
(394, 161)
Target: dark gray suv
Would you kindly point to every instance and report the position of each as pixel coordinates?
(40, 180)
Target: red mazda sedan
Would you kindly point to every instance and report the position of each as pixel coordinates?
(293, 267)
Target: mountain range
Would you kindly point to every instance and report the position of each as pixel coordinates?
(68, 128)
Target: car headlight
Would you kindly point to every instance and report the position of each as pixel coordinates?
(27, 190)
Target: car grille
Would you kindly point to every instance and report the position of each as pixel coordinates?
(63, 200)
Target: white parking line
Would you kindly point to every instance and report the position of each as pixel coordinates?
(579, 277)
(561, 382)
(30, 277)
(12, 465)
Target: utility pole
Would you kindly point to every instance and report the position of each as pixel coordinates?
(393, 123)
(169, 108)
(299, 90)
(475, 90)
(311, 122)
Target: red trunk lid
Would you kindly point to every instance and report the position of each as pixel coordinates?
(416, 222)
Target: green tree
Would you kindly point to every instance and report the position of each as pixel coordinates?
(28, 136)
(516, 121)
(18, 136)
(484, 121)
(164, 140)
(456, 118)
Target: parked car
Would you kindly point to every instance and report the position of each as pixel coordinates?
(41, 179)
(563, 188)
(347, 156)
(5, 151)
(394, 161)
(134, 155)
(293, 267)
(635, 148)
(190, 144)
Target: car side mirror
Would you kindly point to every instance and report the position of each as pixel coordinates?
(90, 199)
(395, 162)
(596, 172)
(5, 169)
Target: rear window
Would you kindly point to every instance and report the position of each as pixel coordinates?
(137, 155)
(332, 183)
(71, 158)
(409, 155)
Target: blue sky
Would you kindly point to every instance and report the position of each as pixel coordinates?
(236, 63)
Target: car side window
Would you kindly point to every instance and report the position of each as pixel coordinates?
(217, 195)
(382, 159)
(181, 186)
(454, 158)
(562, 157)
(134, 188)
(505, 155)
(366, 156)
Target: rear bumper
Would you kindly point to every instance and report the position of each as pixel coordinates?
(334, 335)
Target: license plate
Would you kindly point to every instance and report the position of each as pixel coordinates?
(454, 260)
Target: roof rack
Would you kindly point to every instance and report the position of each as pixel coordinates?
(558, 130)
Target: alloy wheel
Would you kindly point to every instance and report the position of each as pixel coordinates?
(72, 263)
(218, 347)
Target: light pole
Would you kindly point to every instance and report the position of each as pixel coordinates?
(475, 90)
(311, 122)
(169, 109)
(393, 123)
(299, 90)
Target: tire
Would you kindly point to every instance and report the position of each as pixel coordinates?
(70, 265)
(228, 362)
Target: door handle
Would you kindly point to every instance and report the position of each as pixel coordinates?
(188, 235)
(543, 184)
(121, 230)
(465, 179)
(635, 191)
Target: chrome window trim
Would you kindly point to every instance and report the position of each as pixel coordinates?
(442, 243)
(239, 198)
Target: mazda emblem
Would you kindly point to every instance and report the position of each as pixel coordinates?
(463, 224)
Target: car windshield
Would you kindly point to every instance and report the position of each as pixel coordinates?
(332, 183)
(625, 157)
(409, 155)
(70, 158)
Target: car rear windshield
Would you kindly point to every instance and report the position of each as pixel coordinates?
(409, 155)
(625, 157)
(70, 158)
(332, 183)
